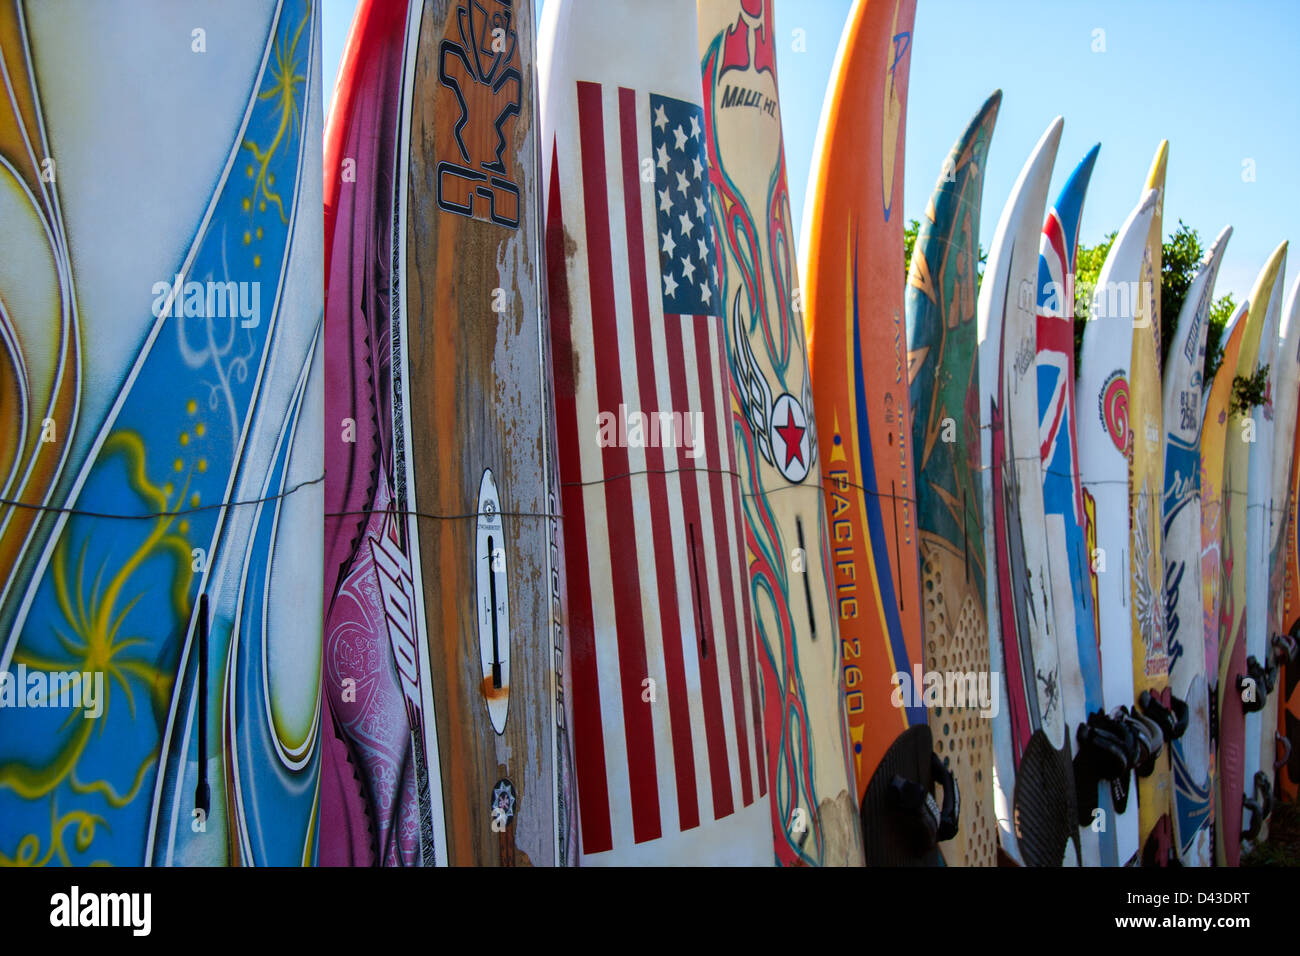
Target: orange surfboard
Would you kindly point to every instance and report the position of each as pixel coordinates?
(853, 272)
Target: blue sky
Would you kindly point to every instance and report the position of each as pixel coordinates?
(1217, 79)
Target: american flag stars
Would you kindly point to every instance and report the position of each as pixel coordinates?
(687, 258)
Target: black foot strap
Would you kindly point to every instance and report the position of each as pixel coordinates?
(1282, 743)
(1107, 751)
(1285, 648)
(1260, 806)
(950, 812)
(900, 818)
(1151, 741)
(927, 822)
(1171, 720)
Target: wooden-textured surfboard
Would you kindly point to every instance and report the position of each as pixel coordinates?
(1232, 785)
(1183, 605)
(662, 685)
(1034, 789)
(443, 618)
(1102, 416)
(814, 803)
(1214, 428)
(1285, 565)
(1260, 619)
(160, 435)
(852, 255)
(1070, 557)
(944, 392)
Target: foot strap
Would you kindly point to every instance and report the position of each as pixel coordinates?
(1260, 806)
(931, 823)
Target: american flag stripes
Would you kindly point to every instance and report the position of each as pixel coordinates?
(663, 684)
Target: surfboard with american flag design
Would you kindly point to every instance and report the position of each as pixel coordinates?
(662, 684)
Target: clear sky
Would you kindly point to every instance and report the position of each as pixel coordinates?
(1218, 79)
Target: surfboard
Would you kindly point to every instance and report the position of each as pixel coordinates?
(442, 631)
(1286, 570)
(1236, 683)
(1214, 427)
(944, 394)
(1033, 788)
(358, 222)
(161, 375)
(1280, 645)
(1102, 416)
(852, 261)
(1260, 619)
(662, 687)
(815, 821)
(1288, 724)
(1070, 558)
(1183, 605)
(1146, 486)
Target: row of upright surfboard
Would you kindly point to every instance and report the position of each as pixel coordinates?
(635, 549)
(1138, 523)
(1144, 554)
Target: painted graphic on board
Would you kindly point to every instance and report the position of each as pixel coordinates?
(162, 383)
(480, 65)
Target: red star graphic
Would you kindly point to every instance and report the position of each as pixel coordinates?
(792, 434)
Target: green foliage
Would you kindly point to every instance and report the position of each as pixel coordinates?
(1179, 262)
(1248, 391)
(1220, 312)
(1181, 258)
(909, 243)
(1087, 267)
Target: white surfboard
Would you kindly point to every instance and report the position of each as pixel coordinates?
(1257, 773)
(1286, 396)
(662, 687)
(1183, 604)
(1101, 411)
(1033, 821)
